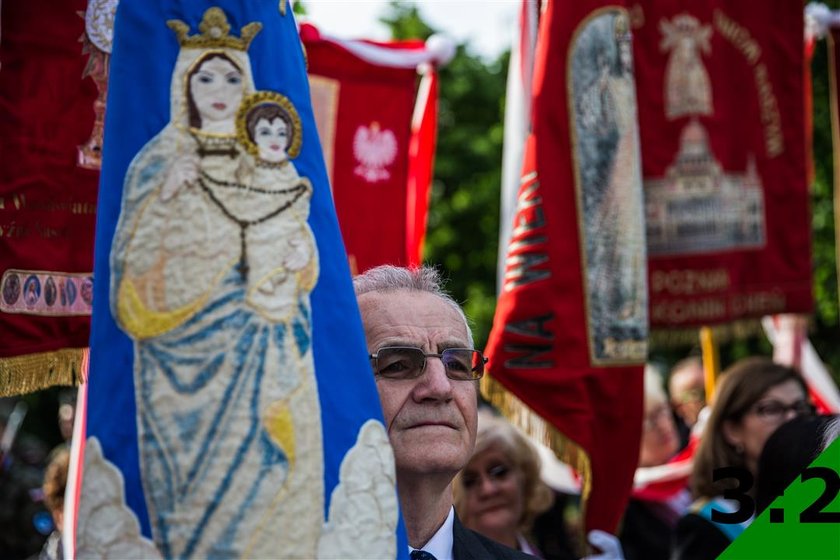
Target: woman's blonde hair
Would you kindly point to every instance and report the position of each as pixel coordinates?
(740, 387)
(495, 431)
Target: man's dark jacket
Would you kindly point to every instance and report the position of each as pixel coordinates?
(469, 545)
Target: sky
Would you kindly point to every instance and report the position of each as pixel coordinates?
(486, 26)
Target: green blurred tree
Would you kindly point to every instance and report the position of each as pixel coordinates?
(463, 226)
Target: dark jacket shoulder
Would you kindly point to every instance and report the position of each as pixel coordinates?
(695, 538)
(469, 545)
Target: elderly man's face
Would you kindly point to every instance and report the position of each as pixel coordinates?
(431, 420)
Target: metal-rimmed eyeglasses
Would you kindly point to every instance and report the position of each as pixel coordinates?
(409, 362)
(777, 411)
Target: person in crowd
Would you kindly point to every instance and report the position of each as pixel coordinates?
(499, 492)
(650, 519)
(24, 521)
(426, 369)
(687, 388)
(788, 451)
(755, 396)
(55, 482)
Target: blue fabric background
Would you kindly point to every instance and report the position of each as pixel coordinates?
(143, 58)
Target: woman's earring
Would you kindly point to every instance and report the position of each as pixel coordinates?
(739, 449)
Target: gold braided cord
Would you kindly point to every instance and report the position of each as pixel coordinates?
(521, 415)
(32, 372)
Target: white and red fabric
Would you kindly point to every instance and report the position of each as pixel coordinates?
(378, 133)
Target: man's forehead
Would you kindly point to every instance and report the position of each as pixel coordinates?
(388, 313)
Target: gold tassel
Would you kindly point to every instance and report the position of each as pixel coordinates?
(521, 416)
(33, 372)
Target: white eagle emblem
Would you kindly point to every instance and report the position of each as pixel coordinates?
(374, 149)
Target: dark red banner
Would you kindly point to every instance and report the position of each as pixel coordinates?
(363, 97)
(722, 122)
(569, 337)
(47, 199)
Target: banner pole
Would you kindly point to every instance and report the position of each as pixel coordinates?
(711, 360)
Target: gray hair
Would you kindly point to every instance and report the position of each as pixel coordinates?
(832, 432)
(387, 278)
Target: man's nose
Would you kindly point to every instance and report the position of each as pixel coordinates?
(433, 383)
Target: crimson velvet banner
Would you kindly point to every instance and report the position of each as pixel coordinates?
(363, 95)
(48, 189)
(722, 124)
(833, 37)
(570, 333)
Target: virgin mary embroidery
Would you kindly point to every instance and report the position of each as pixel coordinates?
(212, 266)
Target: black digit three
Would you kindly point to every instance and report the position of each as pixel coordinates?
(814, 513)
(746, 505)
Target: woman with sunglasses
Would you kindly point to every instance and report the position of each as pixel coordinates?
(754, 397)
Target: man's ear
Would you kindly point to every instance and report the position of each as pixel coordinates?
(733, 433)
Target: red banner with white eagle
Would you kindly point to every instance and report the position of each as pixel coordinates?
(378, 133)
(724, 159)
(569, 336)
(50, 136)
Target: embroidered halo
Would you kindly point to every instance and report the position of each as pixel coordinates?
(268, 98)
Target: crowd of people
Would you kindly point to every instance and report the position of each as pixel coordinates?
(470, 483)
(34, 460)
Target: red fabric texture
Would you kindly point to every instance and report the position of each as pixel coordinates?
(421, 154)
(669, 483)
(753, 57)
(538, 347)
(810, 45)
(371, 200)
(47, 202)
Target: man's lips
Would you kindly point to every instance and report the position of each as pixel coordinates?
(430, 424)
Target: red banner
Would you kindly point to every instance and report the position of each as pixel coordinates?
(833, 37)
(379, 161)
(569, 336)
(722, 122)
(47, 199)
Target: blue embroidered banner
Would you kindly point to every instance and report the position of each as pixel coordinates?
(229, 383)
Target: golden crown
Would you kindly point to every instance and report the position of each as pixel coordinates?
(215, 32)
(621, 27)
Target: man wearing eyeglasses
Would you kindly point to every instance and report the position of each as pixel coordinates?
(427, 373)
(687, 388)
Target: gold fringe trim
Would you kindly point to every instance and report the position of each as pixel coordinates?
(24, 374)
(736, 330)
(536, 427)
